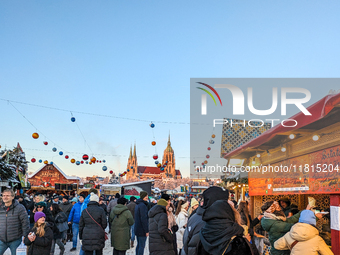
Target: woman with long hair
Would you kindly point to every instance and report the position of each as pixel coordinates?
(39, 239)
(172, 225)
(59, 218)
(181, 221)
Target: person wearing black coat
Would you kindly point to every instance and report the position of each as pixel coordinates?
(222, 234)
(41, 241)
(92, 224)
(160, 238)
(41, 207)
(58, 217)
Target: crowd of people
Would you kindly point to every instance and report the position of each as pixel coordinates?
(210, 224)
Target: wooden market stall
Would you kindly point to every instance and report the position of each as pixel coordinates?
(51, 179)
(299, 162)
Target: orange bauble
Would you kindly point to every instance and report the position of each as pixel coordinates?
(90, 163)
(153, 143)
(45, 162)
(213, 136)
(93, 159)
(35, 135)
(159, 165)
(73, 161)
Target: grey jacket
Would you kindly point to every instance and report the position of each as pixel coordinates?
(14, 222)
(191, 235)
(112, 204)
(66, 208)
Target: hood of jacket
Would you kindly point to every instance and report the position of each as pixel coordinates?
(14, 204)
(156, 210)
(200, 211)
(302, 232)
(140, 201)
(92, 203)
(119, 209)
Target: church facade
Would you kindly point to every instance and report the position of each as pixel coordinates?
(153, 172)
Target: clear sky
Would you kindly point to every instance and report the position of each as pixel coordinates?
(134, 59)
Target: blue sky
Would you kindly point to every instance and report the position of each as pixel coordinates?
(135, 59)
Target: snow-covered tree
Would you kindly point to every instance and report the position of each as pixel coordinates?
(10, 161)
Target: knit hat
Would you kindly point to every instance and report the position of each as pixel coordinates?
(39, 215)
(307, 216)
(213, 194)
(66, 197)
(74, 200)
(82, 195)
(132, 198)
(185, 205)
(162, 202)
(193, 202)
(117, 195)
(41, 204)
(94, 197)
(55, 196)
(143, 194)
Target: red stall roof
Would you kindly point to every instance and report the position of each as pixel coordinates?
(269, 139)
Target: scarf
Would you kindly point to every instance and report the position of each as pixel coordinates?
(274, 217)
(171, 218)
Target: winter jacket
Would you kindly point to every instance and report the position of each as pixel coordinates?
(13, 222)
(191, 235)
(309, 241)
(287, 210)
(41, 245)
(121, 221)
(112, 204)
(141, 218)
(58, 219)
(181, 221)
(277, 229)
(92, 234)
(85, 203)
(222, 234)
(66, 207)
(131, 206)
(104, 207)
(75, 213)
(160, 238)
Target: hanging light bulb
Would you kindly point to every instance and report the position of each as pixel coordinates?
(258, 155)
(283, 149)
(315, 137)
(291, 136)
(254, 162)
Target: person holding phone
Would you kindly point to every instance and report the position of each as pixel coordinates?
(40, 237)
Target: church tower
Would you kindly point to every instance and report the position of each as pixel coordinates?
(169, 155)
(132, 163)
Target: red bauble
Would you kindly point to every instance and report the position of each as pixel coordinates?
(155, 156)
(111, 172)
(33, 160)
(66, 156)
(81, 162)
(209, 148)
(85, 157)
(46, 143)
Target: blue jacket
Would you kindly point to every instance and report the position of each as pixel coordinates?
(141, 218)
(75, 213)
(84, 205)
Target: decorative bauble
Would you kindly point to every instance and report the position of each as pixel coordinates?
(81, 162)
(78, 163)
(33, 160)
(51, 163)
(156, 162)
(213, 136)
(194, 162)
(35, 135)
(54, 149)
(125, 172)
(202, 163)
(159, 165)
(128, 170)
(209, 148)
(162, 169)
(111, 172)
(40, 161)
(166, 162)
(205, 162)
(152, 125)
(45, 143)
(85, 157)
(73, 119)
(104, 168)
(73, 161)
(207, 156)
(86, 162)
(100, 161)
(131, 167)
(211, 141)
(97, 161)
(61, 153)
(164, 165)
(90, 163)
(66, 156)
(93, 159)
(104, 161)
(155, 157)
(45, 162)
(153, 143)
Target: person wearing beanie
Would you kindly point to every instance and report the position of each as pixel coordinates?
(131, 206)
(40, 237)
(92, 226)
(303, 238)
(141, 222)
(161, 238)
(121, 221)
(66, 207)
(74, 201)
(74, 218)
(195, 223)
(193, 207)
(41, 207)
